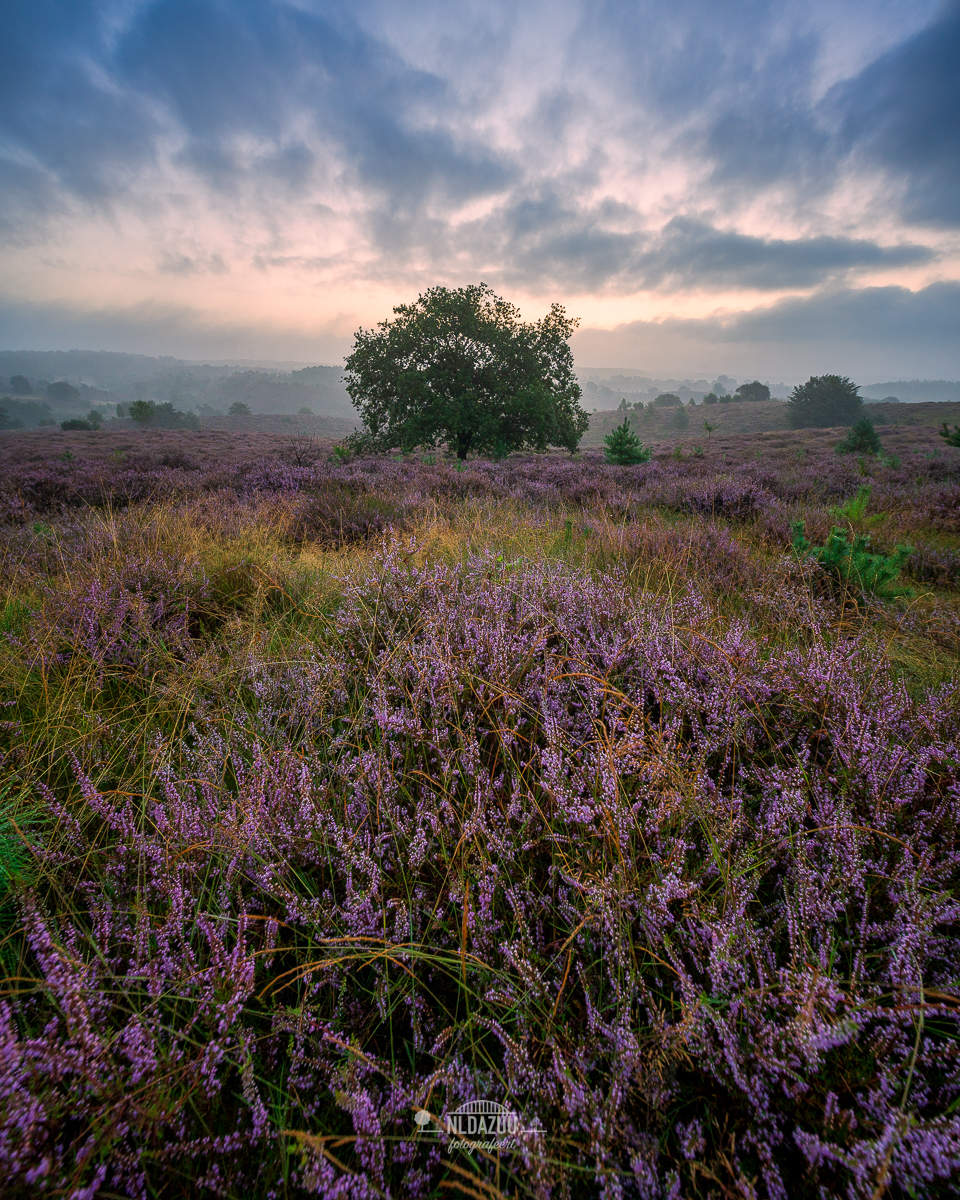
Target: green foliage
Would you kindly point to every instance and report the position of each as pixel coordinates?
(667, 400)
(142, 411)
(458, 367)
(162, 416)
(850, 563)
(855, 509)
(63, 391)
(824, 400)
(711, 398)
(8, 422)
(26, 414)
(951, 436)
(20, 386)
(75, 423)
(304, 412)
(861, 439)
(14, 873)
(708, 427)
(753, 391)
(624, 448)
(239, 409)
(681, 418)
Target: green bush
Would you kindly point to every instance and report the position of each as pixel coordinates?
(75, 423)
(861, 439)
(624, 448)
(856, 508)
(850, 562)
(824, 400)
(951, 436)
(161, 416)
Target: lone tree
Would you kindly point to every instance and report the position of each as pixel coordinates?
(63, 391)
(753, 391)
(862, 439)
(624, 448)
(459, 367)
(824, 400)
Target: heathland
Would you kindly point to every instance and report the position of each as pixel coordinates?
(338, 793)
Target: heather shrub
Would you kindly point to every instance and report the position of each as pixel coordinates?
(336, 516)
(328, 937)
(723, 496)
(578, 798)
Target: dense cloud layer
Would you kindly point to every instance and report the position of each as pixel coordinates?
(297, 167)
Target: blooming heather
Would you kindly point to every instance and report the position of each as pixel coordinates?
(680, 890)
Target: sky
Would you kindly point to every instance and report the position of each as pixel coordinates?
(754, 188)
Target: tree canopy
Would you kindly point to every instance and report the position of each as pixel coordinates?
(667, 400)
(459, 367)
(753, 391)
(161, 416)
(824, 400)
(63, 391)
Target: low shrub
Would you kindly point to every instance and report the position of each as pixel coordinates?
(861, 439)
(624, 448)
(850, 563)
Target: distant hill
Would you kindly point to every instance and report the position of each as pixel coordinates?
(99, 368)
(107, 379)
(913, 391)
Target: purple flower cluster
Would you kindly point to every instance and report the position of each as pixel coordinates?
(684, 898)
(738, 484)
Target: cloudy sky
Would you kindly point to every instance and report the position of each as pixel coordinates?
(744, 186)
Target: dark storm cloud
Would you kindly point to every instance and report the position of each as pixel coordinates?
(545, 239)
(62, 129)
(691, 253)
(868, 333)
(270, 110)
(871, 316)
(248, 89)
(903, 113)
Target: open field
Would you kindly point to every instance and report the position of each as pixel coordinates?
(656, 425)
(334, 794)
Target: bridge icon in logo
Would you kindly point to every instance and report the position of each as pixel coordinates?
(478, 1122)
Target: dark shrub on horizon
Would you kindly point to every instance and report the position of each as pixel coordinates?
(824, 400)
